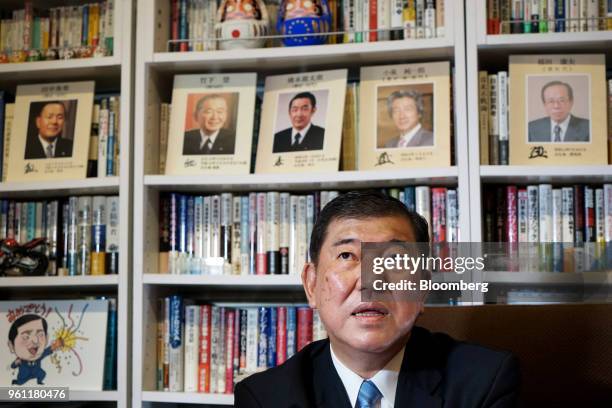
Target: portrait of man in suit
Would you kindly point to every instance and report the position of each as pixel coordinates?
(303, 135)
(45, 132)
(374, 355)
(405, 108)
(560, 125)
(212, 136)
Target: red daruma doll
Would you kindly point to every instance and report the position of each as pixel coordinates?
(240, 22)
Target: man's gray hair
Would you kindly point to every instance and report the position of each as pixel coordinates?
(417, 97)
(570, 91)
(204, 99)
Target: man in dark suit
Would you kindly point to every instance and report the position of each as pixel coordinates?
(560, 125)
(374, 356)
(48, 143)
(211, 137)
(405, 108)
(303, 135)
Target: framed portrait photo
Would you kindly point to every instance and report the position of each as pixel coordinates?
(405, 116)
(211, 124)
(301, 122)
(556, 108)
(51, 132)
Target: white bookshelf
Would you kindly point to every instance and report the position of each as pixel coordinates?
(110, 73)
(155, 69)
(484, 51)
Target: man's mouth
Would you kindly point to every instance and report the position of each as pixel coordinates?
(370, 310)
(33, 350)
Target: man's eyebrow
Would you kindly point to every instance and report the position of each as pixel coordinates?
(345, 241)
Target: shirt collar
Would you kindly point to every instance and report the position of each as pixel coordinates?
(409, 135)
(45, 143)
(301, 132)
(204, 137)
(564, 125)
(385, 380)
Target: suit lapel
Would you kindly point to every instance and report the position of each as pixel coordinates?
(419, 376)
(328, 388)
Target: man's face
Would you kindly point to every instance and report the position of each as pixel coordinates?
(212, 116)
(557, 102)
(51, 120)
(30, 342)
(334, 288)
(300, 112)
(405, 114)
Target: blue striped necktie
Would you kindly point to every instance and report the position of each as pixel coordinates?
(368, 396)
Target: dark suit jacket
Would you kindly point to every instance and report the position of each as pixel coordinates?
(540, 130)
(437, 371)
(312, 141)
(34, 150)
(422, 138)
(224, 143)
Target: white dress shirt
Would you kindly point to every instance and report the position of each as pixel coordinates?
(205, 138)
(407, 137)
(44, 145)
(563, 125)
(385, 380)
(302, 133)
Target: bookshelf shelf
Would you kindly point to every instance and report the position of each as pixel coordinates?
(546, 174)
(91, 186)
(99, 282)
(248, 282)
(187, 398)
(266, 59)
(310, 181)
(550, 40)
(102, 68)
(548, 278)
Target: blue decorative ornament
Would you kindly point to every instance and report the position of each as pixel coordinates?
(303, 17)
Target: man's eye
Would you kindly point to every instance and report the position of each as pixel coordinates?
(346, 256)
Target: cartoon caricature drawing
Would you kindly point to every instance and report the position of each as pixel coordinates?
(27, 339)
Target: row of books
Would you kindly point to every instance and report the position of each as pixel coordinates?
(269, 233)
(207, 348)
(495, 114)
(82, 233)
(543, 16)
(76, 31)
(543, 213)
(104, 146)
(193, 27)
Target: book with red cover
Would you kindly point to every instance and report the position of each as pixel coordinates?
(304, 326)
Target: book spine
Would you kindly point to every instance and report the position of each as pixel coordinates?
(372, 16)
(573, 13)
(452, 216)
(535, 15)
(384, 19)
(112, 234)
(262, 335)
(500, 214)
(409, 19)
(304, 327)
(272, 336)
(420, 18)
(284, 232)
(589, 214)
(166, 351)
(423, 204)
(177, 325)
(310, 219)
(600, 220)
(161, 346)
(516, 14)
(84, 234)
(567, 214)
(545, 212)
(110, 145)
(579, 221)
(608, 212)
(216, 335)
(84, 24)
(72, 248)
(502, 108)
(236, 234)
(438, 196)
(252, 233)
(493, 16)
(198, 235)
(560, 13)
(226, 227)
(281, 335)
(164, 121)
(92, 156)
(219, 362)
(533, 231)
(230, 321)
(440, 6)
(521, 204)
(215, 226)
(273, 232)
(512, 221)
(252, 340)
(103, 137)
(493, 120)
(483, 105)
(192, 345)
(244, 235)
(543, 23)
(291, 331)
(204, 366)
(557, 229)
(293, 234)
(261, 266)
(183, 26)
(98, 236)
(206, 229)
(242, 362)
(302, 233)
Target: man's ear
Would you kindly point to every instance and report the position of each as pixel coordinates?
(309, 280)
